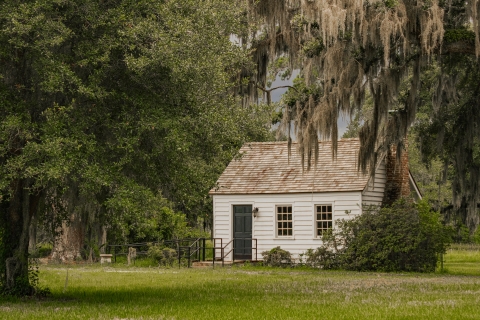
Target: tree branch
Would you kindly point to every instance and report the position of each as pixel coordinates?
(268, 91)
(280, 87)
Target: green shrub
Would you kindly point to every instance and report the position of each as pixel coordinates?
(322, 257)
(476, 236)
(462, 234)
(277, 257)
(42, 250)
(169, 256)
(164, 256)
(403, 237)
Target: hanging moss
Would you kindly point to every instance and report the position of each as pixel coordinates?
(346, 47)
(336, 44)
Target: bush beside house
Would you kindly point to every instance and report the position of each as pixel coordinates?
(402, 237)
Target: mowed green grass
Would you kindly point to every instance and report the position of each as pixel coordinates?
(463, 259)
(95, 292)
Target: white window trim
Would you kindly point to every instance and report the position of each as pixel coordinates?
(315, 236)
(275, 227)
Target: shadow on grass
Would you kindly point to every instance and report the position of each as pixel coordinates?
(248, 293)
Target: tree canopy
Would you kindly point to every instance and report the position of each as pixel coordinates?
(348, 51)
(109, 107)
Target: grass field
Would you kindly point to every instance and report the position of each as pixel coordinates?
(95, 292)
(463, 260)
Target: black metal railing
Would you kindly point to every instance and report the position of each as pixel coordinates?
(191, 249)
(195, 249)
(224, 254)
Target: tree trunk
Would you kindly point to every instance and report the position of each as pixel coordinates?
(102, 241)
(32, 243)
(68, 245)
(16, 215)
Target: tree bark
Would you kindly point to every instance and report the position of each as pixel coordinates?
(17, 214)
(32, 243)
(102, 241)
(68, 245)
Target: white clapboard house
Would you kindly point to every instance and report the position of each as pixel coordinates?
(264, 199)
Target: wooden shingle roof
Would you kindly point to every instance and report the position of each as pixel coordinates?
(264, 167)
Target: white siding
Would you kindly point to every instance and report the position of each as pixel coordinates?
(373, 193)
(345, 205)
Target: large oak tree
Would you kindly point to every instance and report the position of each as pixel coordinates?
(111, 105)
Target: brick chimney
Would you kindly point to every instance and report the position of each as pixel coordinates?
(398, 180)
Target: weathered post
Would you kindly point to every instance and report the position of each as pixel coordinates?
(132, 254)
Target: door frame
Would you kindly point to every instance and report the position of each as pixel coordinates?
(240, 204)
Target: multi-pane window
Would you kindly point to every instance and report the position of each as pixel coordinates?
(323, 219)
(284, 221)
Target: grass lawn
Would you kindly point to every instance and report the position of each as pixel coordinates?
(463, 259)
(95, 292)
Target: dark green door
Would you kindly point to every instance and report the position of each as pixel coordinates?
(242, 232)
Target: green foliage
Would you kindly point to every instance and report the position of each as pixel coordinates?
(164, 256)
(143, 217)
(277, 257)
(301, 93)
(313, 48)
(476, 236)
(120, 111)
(431, 179)
(42, 250)
(359, 118)
(138, 215)
(403, 237)
(461, 234)
(91, 251)
(34, 280)
(280, 67)
(391, 3)
(322, 257)
(447, 129)
(27, 286)
(454, 35)
(299, 22)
